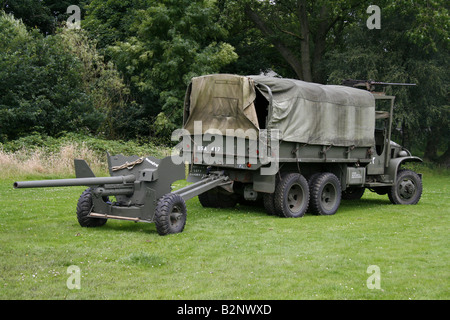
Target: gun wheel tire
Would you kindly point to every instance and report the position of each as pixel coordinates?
(325, 194)
(407, 188)
(170, 214)
(84, 207)
(291, 196)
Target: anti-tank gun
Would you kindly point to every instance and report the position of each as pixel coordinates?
(139, 189)
(135, 184)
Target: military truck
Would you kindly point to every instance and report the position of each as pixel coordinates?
(303, 146)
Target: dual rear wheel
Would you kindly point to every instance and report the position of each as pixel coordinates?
(294, 195)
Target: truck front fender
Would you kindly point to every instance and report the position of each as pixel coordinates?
(394, 164)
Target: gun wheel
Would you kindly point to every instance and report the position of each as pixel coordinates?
(84, 207)
(170, 214)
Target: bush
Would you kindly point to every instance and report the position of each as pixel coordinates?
(39, 154)
(56, 83)
(40, 84)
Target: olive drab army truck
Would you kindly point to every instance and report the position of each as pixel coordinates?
(293, 146)
(331, 143)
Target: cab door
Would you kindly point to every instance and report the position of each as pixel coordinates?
(383, 123)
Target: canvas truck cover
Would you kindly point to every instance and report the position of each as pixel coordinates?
(221, 102)
(303, 112)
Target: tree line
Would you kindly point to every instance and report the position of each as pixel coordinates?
(124, 74)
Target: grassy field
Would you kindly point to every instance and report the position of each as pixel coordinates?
(240, 253)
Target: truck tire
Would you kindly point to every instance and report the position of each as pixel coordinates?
(268, 198)
(203, 198)
(170, 214)
(311, 179)
(84, 207)
(218, 199)
(407, 188)
(353, 193)
(325, 194)
(291, 196)
(269, 204)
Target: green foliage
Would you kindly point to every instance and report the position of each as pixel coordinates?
(56, 83)
(160, 47)
(44, 15)
(34, 14)
(99, 146)
(102, 82)
(255, 52)
(428, 22)
(39, 84)
(113, 20)
(417, 54)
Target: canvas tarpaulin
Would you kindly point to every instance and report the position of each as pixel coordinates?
(303, 112)
(320, 114)
(221, 102)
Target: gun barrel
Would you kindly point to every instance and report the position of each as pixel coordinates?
(393, 83)
(75, 182)
(366, 83)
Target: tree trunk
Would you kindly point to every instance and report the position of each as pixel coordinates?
(324, 26)
(445, 158)
(304, 42)
(431, 146)
(285, 52)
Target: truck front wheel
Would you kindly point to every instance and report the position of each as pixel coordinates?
(407, 188)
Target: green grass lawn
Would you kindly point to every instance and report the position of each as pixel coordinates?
(240, 253)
